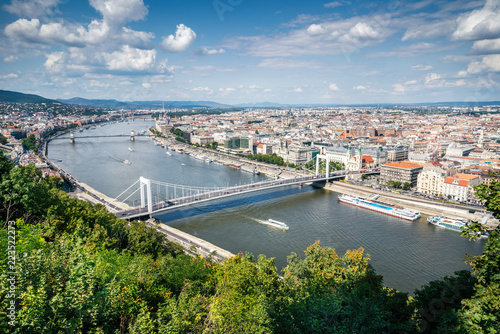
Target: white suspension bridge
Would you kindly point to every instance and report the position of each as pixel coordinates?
(157, 196)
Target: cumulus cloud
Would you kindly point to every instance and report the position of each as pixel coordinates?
(399, 89)
(31, 8)
(431, 77)
(204, 51)
(486, 46)
(10, 59)
(479, 24)
(324, 38)
(360, 33)
(360, 87)
(184, 37)
(315, 29)
(333, 4)
(490, 63)
(119, 12)
(130, 59)
(9, 76)
(421, 67)
(333, 86)
(298, 90)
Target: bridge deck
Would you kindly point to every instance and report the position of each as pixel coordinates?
(218, 194)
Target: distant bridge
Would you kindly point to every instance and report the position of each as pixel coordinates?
(157, 197)
(132, 136)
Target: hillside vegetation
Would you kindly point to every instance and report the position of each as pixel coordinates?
(82, 270)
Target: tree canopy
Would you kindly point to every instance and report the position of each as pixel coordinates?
(82, 270)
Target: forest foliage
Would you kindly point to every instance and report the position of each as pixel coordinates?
(82, 270)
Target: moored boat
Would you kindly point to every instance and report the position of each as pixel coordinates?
(385, 208)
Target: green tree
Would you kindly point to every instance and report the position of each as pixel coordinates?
(438, 302)
(406, 186)
(481, 312)
(30, 142)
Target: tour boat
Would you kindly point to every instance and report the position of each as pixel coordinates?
(277, 224)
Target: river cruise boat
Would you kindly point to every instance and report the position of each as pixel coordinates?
(454, 224)
(385, 208)
(277, 224)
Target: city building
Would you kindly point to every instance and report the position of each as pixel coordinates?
(459, 187)
(430, 181)
(400, 171)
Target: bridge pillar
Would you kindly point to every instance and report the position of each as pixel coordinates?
(327, 173)
(146, 198)
(132, 135)
(72, 138)
(317, 164)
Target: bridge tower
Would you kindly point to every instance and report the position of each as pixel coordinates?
(146, 197)
(132, 135)
(72, 138)
(327, 158)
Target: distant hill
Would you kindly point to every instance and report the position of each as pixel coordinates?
(16, 97)
(144, 104)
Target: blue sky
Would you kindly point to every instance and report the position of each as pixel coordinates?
(240, 51)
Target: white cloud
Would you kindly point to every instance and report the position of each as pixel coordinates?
(9, 76)
(298, 90)
(429, 78)
(184, 37)
(119, 12)
(486, 46)
(254, 87)
(360, 87)
(411, 82)
(203, 51)
(333, 4)
(398, 89)
(490, 63)
(130, 59)
(31, 8)
(10, 59)
(333, 86)
(421, 67)
(430, 30)
(325, 38)
(479, 24)
(315, 29)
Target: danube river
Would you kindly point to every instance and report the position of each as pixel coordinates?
(407, 254)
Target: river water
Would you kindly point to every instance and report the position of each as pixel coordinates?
(407, 254)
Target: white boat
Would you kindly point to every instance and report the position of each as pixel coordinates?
(168, 153)
(385, 208)
(127, 162)
(130, 149)
(454, 224)
(277, 224)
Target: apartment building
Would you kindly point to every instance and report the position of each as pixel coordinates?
(459, 187)
(402, 171)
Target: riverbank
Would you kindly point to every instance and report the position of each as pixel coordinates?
(426, 207)
(266, 169)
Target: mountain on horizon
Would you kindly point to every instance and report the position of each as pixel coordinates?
(16, 97)
(111, 103)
